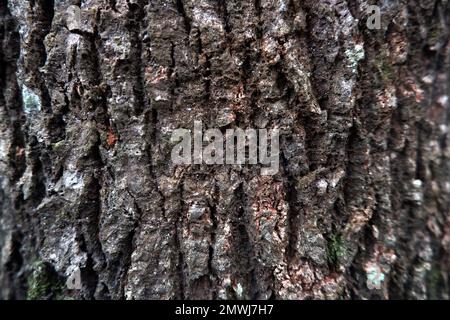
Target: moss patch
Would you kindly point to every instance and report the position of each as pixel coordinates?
(43, 283)
(335, 249)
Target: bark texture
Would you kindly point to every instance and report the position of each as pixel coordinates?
(359, 209)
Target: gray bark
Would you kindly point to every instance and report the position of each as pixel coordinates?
(359, 209)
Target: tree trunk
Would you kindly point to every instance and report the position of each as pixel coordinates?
(92, 90)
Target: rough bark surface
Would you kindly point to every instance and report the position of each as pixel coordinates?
(359, 209)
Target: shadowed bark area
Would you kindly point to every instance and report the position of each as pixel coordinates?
(91, 91)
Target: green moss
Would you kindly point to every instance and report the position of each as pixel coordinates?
(43, 284)
(335, 249)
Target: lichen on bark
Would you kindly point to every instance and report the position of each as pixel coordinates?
(91, 91)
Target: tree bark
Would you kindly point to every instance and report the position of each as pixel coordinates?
(91, 91)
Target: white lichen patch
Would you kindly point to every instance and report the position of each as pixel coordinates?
(375, 276)
(73, 18)
(119, 45)
(417, 183)
(207, 19)
(7, 249)
(239, 290)
(31, 101)
(428, 79)
(72, 180)
(354, 55)
(196, 211)
(387, 99)
(160, 95)
(26, 183)
(443, 101)
(322, 186)
(416, 193)
(336, 177)
(18, 9)
(4, 147)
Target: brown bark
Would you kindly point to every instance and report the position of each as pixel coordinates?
(359, 209)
